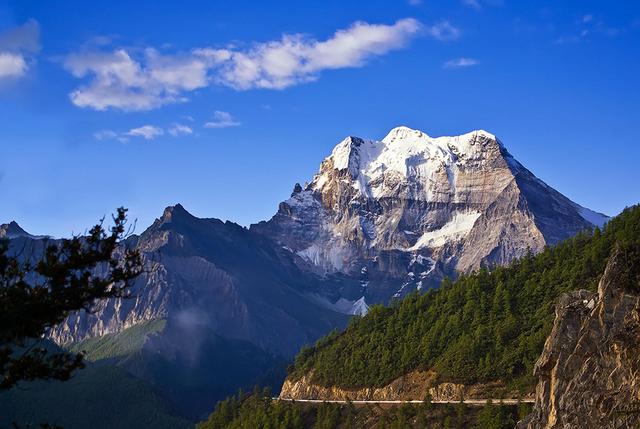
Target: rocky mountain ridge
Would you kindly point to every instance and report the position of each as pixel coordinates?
(214, 274)
(13, 230)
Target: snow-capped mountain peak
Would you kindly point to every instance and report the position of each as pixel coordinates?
(375, 167)
(459, 201)
(403, 133)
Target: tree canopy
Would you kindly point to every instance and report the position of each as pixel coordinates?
(38, 291)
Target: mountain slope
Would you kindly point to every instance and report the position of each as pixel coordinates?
(207, 272)
(190, 365)
(218, 308)
(484, 327)
(98, 396)
(411, 209)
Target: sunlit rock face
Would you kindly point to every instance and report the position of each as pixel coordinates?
(406, 211)
(588, 372)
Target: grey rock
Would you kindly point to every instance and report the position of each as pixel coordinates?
(589, 372)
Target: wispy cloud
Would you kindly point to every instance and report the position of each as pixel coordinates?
(18, 47)
(587, 26)
(144, 79)
(105, 135)
(177, 130)
(458, 63)
(473, 4)
(443, 31)
(222, 120)
(147, 132)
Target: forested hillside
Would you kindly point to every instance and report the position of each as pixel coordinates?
(258, 410)
(99, 397)
(490, 325)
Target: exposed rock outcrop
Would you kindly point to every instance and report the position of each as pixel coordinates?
(416, 385)
(589, 370)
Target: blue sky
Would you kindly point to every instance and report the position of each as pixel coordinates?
(224, 106)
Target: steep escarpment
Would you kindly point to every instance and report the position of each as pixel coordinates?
(410, 209)
(589, 370)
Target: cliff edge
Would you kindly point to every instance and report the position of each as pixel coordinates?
(589, 370)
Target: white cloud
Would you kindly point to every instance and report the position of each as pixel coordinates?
(460, 63)
(222, 120)
(145, 79)
(120, 81)
(587, 18)
(180, 130)
(12, 65)
(148, 132)
(295, 59)
(17, 49)
(414, 2)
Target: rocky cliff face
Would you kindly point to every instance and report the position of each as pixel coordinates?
(589, 371)
(416, 385)
(412, 386)
(407, 210)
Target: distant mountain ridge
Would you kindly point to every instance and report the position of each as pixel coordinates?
(411, 209)
(205, 272)
(13, 230)
(236, 308)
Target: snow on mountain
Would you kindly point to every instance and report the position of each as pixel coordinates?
(410, 153)
(461, 201)
(459, 226)
(358, 307)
